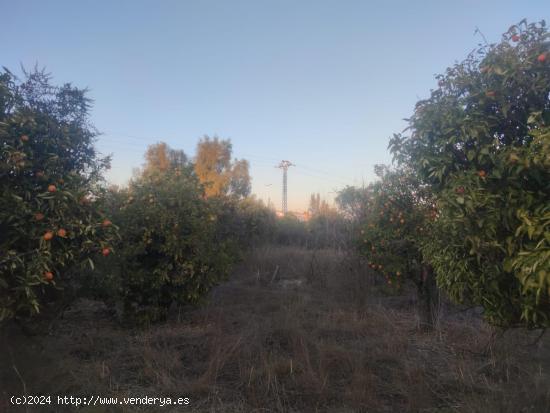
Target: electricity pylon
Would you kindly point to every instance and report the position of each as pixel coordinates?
(284, 165)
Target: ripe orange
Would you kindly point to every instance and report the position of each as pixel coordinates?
(48, 275)
(24, 138)
(52, 188)
(105, 251)
(542, 57)
(482, 173)
(62, 233)
(48, 235)
(106, 223)
(39, 216)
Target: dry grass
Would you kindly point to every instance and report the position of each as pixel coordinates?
(292, 331)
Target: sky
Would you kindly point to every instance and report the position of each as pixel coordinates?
(323, 84)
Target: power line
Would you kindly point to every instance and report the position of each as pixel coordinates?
(338, 178)
(135, 142)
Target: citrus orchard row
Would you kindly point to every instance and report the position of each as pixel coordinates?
(472, 185)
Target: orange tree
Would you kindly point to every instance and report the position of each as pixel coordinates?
(168, 253)
(49, 175)
(397, 217)
(481, 142)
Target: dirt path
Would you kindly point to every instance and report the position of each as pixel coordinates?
(291, 331)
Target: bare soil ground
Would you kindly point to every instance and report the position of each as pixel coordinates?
(291, 331)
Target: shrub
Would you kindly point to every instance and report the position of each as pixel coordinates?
(247, 222)
(291, 231)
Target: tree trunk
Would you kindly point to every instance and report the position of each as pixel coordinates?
(427, 298)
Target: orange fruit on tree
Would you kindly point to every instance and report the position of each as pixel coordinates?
(482, 173)
(48, 275)
(105, 251)
(24, 138)
(48, 235)
(542, 57)
(62, 232)
(52, 188)
(39, 216)
(106, 223)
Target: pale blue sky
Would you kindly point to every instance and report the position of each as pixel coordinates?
(323, 84)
